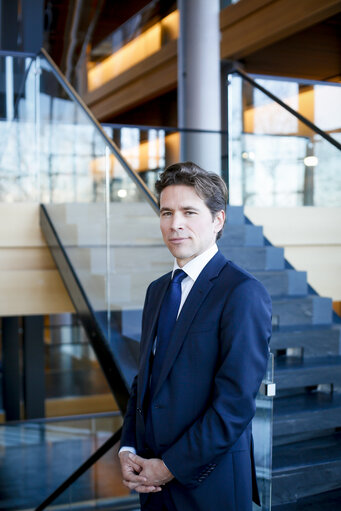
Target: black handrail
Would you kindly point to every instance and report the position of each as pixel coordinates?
(293, 112)
(169, 129)
(61, 418)
(110, 143)
(300, 81)
(81, 470)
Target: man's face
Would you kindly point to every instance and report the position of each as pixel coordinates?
(186, 223)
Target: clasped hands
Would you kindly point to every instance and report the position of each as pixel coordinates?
(143, 475)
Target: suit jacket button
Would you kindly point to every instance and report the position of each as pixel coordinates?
(139, 411)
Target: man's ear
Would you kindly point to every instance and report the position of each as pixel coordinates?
(219, 220)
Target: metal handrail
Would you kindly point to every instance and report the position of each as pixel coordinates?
(22, 54)
(293, 112)
(300, 81)
(169, 129)
(110, 143)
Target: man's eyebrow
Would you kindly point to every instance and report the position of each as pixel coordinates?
(185, 208)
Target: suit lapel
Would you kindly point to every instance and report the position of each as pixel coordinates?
(197, 295)
(153, 314)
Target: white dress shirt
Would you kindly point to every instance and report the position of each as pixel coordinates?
(193, 269)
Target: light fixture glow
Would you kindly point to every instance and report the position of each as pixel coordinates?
(122, 193)
(310, 161)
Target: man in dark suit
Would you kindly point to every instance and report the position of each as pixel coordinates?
(186, 442)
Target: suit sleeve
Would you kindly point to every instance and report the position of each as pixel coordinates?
(244, 335)
(128, 437)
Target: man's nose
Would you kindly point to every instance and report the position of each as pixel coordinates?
(177, 222)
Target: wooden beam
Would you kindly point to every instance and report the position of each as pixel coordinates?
(29, 281)
(153, 77)
(33, 292)
(26, 258)
(19, 225)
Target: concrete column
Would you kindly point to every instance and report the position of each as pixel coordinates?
(32, 25)
(199, 82)
(8, 25)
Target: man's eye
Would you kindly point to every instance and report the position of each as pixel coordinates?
(190, 212)
(166, 213)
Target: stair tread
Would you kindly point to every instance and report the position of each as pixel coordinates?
(296, 363)
(299, 299)
(315, 451)
(306, 403)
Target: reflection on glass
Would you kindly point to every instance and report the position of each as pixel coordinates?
(275, 159)
(36, 457)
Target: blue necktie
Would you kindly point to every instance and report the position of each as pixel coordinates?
(167, 319)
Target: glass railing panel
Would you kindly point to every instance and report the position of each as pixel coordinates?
(36, 457)
(262, 425)
(149, 150)
(273, 161)
(319, 102)
(324, 173)
(102, 218)
(74, 380)
(18, 134)
(100, 487)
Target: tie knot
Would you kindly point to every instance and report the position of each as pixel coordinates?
(178, 276)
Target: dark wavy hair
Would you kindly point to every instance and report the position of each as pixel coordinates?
(209, 186)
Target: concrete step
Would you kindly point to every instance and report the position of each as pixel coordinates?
(293, 372)
(256, 258)
(241, 235)
(314, 341)
(309, 310)
(141, 231)
(77, 212)
(306, 468)
(80, 225)
(306, 413)
(235, 215)
(127, 291)
(284, 282)
(123, 259)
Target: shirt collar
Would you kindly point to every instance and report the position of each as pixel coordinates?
(194, 267)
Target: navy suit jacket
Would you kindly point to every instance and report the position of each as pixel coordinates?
(204, 401)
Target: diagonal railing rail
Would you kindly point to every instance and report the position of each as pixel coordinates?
(293, 112)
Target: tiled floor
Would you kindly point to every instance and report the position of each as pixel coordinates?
(36, 459)
(330, 501)
(34, 462)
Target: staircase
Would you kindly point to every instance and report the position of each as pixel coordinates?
(306, 335)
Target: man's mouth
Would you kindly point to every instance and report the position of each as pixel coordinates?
(177, 240)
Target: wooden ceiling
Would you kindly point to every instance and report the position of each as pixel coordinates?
(314, 53)
(284, 37)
